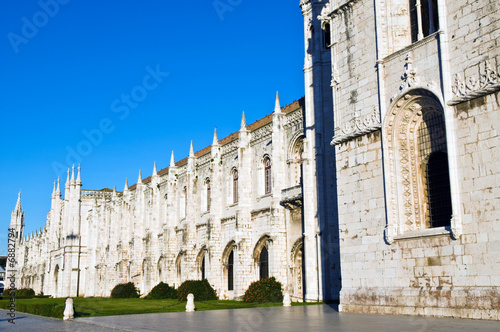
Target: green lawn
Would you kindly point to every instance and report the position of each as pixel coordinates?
(99, 306)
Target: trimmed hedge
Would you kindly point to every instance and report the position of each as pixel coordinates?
(125, 291)
(23, 293)
(162, 291)
(264, 290)
(201, 290)
(51, 309)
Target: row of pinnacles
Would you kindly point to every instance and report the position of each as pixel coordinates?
(230, 213)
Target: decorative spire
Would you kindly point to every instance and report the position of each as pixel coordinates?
(139, 180)
(191, 150)
(172, 160)
(126, 185)
(277, 107)
(73, 174)
(54, 190)
(154, 169)
(67, 181)
(243, 125)
(18, 208)
(216, 140)
(114, 191)
(58, 185)
(79, 178)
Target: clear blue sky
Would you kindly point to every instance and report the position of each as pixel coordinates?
(68, 70)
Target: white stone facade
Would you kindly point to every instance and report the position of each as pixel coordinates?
(183, 222)
(411, 83)
(385, 179)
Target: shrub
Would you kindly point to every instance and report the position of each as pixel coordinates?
(49, 309)
(201, 290)
(264, 290)
(26, 293)
(162, 291)
(125, 291)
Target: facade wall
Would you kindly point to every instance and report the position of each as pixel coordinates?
(384, 83)
(349, 217)
(162, 227)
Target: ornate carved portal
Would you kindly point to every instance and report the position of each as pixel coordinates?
(297, 276)
(413, 132)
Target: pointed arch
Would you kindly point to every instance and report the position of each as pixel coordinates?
(267, 175)
(261, 257)
(201, 262)
(234, 186)
(415, 157)
(228, 262)
(295, 158)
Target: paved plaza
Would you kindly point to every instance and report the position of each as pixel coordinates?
(303, 318)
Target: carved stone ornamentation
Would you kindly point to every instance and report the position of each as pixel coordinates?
(358, 127)
(405, 192)
(473, 87)
(409, 76)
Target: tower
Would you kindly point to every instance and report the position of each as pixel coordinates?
(322, 259)
(17, 220)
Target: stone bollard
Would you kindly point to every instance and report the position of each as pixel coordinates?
(190, 303)
(286, 300)
(69, 312)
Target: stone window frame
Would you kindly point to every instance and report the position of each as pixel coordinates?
(295, 159)
(201, 260)
(234, 185)
(206, 196)
(268, 175)
(264, 241)
(418, 21)
(231, 247)
(183, 204)
(402, 177)
(400, 26)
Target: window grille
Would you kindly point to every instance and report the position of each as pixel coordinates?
(434, 164)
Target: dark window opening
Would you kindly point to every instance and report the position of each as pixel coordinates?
(438, 189)
(264, 263)
(209, 198)
(328, 36)
(434, 167)
(230, 264)
(428, 11)
(203, 268)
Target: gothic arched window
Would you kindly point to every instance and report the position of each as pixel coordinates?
(264, 263)
(203, 268)
(235, 186)
(209, 197)
(230, 265)
(267, 175)
(417, 172)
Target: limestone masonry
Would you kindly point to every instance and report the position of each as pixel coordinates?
(380, 188)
